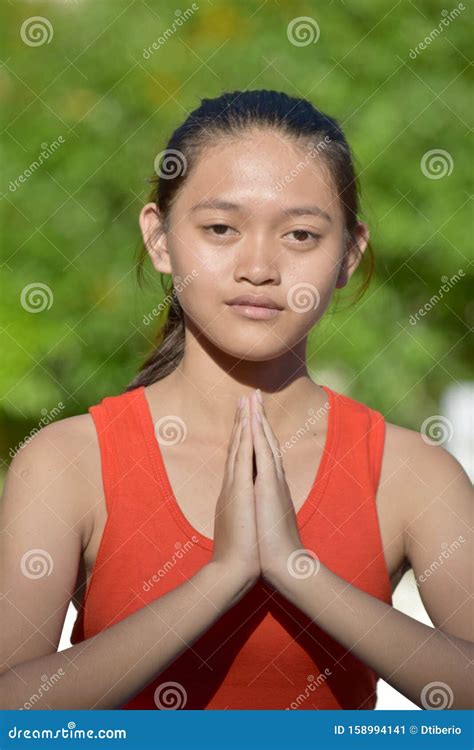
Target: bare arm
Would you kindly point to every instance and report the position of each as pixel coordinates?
(404, 652)
(107, 670)
(43, 522)
(433, 667)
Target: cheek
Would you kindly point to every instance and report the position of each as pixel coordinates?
(207, 275)
(309, 286)
(308, 300)
(190, 254)
(197, 293)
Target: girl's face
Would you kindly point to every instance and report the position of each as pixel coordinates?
(256, 216)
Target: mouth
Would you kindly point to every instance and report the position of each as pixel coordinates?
(255, 306)
(255, 312)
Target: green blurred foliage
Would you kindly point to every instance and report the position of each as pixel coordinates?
(73, 224)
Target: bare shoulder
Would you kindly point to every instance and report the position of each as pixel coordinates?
(428, 497)
(63, 458)
(417, 463)
(46, 515)
(422, 487)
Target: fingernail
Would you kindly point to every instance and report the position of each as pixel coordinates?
(259, 395)
(245, 421)
(240, 402)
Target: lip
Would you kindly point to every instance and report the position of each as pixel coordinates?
(255, 300)
(255, 312)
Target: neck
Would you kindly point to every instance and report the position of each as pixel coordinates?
(209, 382)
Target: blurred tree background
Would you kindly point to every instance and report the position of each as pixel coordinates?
(83, 86)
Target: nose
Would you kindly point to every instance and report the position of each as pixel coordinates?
(257, 260)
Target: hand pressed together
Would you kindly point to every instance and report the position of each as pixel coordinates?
(256, 528)
(277, 528)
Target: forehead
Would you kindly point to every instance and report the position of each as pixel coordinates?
(264, 169)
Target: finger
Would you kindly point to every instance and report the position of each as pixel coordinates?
(271, 437)
(263, 453)
(243, 458)
(235, 428)
(233, 443)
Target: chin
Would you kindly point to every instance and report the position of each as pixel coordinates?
(257, 348)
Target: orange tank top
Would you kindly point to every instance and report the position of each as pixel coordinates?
(263, 653)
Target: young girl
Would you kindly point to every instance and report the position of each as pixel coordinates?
(231, 531)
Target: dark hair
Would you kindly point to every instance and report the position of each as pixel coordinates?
(229, 115)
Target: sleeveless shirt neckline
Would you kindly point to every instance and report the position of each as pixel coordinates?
(313, 499)
(140, 535)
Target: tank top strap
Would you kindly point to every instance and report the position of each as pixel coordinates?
(361, 441)
(122, 448)
(376, 442)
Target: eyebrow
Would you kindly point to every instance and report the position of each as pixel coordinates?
(229, 206)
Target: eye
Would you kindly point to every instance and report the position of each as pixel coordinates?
(309, 235)
(218, 227)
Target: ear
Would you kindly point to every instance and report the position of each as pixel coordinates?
(154, 237)
(353, 254)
